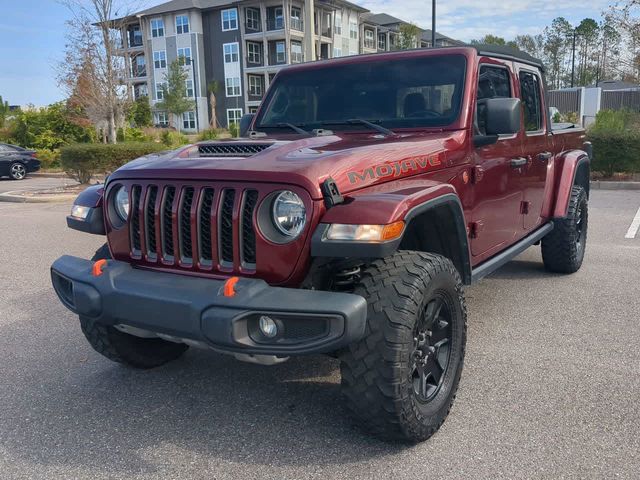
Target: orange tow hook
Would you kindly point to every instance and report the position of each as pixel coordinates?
(96, 271)
(230, 286)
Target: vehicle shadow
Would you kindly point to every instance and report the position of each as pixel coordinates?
(89, 413)
(521, 269)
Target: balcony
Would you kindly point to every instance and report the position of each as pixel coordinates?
(297, 24)
(253, 62)
(275, 24)
(277, 59)
(138, 72)
(326, 32)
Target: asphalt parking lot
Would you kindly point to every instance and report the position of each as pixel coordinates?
(33, 183)
(551, 385)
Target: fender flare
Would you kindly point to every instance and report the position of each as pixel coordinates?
(320, 247)
(575, 170)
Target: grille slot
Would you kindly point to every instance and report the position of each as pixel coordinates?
(248, 234)
(167, 223)
(233, 149)
(150, 222)
(135, 218)
(184, 219)
(225, 230)
(204, 226)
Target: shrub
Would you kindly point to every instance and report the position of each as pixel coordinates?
(234, 130)
(48, 158)
(83, 161)
(169, 138)
(615, 136)
(209, 134)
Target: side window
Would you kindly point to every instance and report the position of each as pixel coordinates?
(493, 82)
(531, 101)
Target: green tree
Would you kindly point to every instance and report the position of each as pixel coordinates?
(4, 111)
(494, 40)
(174, 100)
(408, 36)
(141, 112)
(532, 44)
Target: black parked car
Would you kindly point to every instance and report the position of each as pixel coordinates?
(16, 162)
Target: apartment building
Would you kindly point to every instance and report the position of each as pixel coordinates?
(239, 46)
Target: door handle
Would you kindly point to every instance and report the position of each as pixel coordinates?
(518, 162)
(544, 156)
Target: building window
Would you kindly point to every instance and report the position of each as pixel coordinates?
(337, 52)
(353, 30)
(233, 86)
(189, 120)
(160, 59)
(182, 24)
(229, 19)
(184, 56)
(255, 85)
(230, 52)
(254, 53)
(157, 27)
(188, 88)
(337, 23)
(160, 86)
(253, 19)
(382, 41)
(368, 39)
(279, 17)
(138, 66)
(296, 52)
(281, 56)
(296, 18)
(161, 118)
(233, 115)
(253, 109)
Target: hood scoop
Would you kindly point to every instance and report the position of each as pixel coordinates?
(232, 149)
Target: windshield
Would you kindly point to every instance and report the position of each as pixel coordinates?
(402, 93)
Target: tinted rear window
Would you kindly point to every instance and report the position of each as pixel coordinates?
(413, 92)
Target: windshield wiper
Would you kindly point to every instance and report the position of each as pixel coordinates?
(294, 128)
(361, 121)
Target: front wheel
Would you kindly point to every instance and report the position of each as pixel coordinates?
(401, 379)
(17, 171)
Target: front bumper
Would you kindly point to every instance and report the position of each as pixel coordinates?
(195, 309)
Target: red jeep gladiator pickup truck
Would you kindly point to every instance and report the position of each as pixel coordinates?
(364, 194)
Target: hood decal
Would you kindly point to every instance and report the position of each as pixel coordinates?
(420, 163)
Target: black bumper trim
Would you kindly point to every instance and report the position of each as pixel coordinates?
(194, 308)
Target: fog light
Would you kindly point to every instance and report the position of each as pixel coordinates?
(268, 326)
(78, 211)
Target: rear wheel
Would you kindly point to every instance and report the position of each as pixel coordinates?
(400, 381)
(563, 248)
(137, 352)
(17, 171)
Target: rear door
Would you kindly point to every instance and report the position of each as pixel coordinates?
(497, 194)
(536, 146)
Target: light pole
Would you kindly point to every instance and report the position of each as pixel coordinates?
(195, 92)
(433, 23)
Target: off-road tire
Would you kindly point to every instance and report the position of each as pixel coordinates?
(127, 349)
(377, 372)
(563, 248)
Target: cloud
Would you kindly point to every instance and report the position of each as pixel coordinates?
(469, 19)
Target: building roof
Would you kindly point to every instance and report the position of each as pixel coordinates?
(426, 35)
(381, 19)
(616, 85)
(177, 5)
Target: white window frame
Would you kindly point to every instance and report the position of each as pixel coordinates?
(255, 86)
(161, 60)
(337, 52)
(231, 52)
(237, 114)
(254, 55)
(297, 18)
(384, 41)
(182, 54)
(157, 30)
(184, 27)
(337, 23)
(296, 57)
(189, 120)
(232, 86)
(231, 20)
(159, 85)
(250, 20)
(283, 53)
(188, 88)
(353, 30)
(161, 117)
(369, 38)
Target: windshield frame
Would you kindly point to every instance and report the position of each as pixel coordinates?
(458, 121)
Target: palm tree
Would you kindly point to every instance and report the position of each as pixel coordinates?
(212, 88)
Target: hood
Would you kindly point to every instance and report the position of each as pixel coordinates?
(354, 161)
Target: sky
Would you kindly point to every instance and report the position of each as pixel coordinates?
(32, 32)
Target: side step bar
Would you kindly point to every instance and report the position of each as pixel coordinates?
(503, 257)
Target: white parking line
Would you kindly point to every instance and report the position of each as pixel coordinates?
(635, 225)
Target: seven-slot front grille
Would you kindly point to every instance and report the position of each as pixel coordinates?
(194, 226)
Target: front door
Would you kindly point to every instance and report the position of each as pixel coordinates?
(535, 148)
(497, 195)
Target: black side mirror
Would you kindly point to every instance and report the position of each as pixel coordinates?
(502, 116)
(245, 123)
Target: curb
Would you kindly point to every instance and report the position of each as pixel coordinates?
(16, 197)
(49, 175)
(608, 185)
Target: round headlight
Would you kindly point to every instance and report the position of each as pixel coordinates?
(289, 214)
(121, 203)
